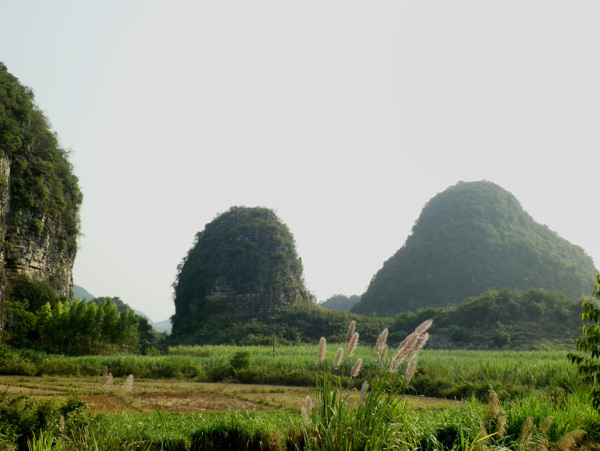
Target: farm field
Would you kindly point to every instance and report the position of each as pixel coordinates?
(176, 396)
(207, 398)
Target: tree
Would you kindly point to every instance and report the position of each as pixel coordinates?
(588, 365)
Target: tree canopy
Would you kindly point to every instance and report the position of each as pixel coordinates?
(472, 237)
(244, 263)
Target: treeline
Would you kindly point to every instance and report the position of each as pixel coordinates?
(505, 319)
(37, 317)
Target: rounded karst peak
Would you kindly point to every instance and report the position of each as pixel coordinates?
(469, 238)
(242, 265)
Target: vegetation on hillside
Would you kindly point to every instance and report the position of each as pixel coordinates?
(340, 302)
(41, 177)
(470, 238)
(506, 319)
(499, 320)
(243, 264)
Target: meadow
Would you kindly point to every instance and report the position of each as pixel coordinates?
(228, 397)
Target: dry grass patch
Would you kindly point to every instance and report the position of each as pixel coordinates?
(176, 396)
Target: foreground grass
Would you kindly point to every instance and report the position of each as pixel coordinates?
(526, 426)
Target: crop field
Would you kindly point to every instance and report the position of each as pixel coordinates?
(247, 397)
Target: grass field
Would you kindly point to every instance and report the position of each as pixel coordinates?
(211, 397)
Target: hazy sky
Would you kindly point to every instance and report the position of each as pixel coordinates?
(343, 117)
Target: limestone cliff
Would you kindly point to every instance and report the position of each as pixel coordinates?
(39, 194)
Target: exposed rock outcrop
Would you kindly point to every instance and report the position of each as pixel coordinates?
(39, 194)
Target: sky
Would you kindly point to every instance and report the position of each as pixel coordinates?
(345, 118)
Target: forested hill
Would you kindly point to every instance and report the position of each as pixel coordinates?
(472, 237)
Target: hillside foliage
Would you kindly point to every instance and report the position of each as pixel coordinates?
(340, 302)
(245, 259)
(470, 238)
(506, 319)
(41, 177)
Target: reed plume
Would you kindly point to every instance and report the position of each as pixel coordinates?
(322, 349)
(128, 385)
(421, 342)
(353, 343)
(545, 426)
(107, 380)
(494, 404)
(383, 353)
(351, 329)
(356, 368)
(338, 358)
(306, 408)
(526, 431)
(501, 424)
(422, 328)
(411, 368)
(569, 441)
(381, 340)
(363, 392)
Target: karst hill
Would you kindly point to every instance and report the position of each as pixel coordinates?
(472, 237)
(243, 265)
(39, 194)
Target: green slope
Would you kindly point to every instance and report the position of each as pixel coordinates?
(472, 237)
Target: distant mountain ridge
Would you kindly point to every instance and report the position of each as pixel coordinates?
(472, 237)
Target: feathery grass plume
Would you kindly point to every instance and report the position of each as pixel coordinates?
(128, 385)
(356, 368)
(61, 424)
(422, 328)
(306, 408)
(569, 441)
(363, 392)
(542, 445)
(338, 358)
(483, 432)
(501, 424)
(408, 344)
(411, 368)
(396, 362)
(381, 340)
(383, 353)
(353, 343)
(351, 329)
(304, 414)
(545, 426)
(107, 380)
(322, 349)
(494, 404)
(421, 341)
(525, 434)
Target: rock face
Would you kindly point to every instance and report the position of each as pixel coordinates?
(36, 255)
(243, 265)
(39, 194)
(472, 237)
